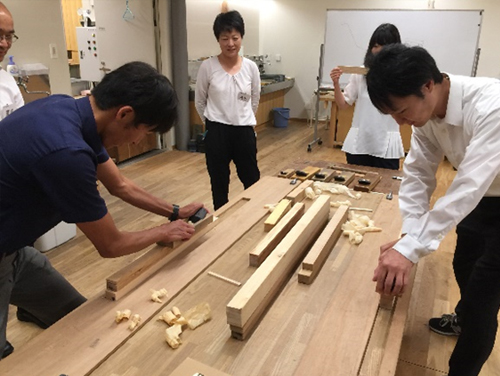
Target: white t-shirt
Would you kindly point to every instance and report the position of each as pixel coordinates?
(228, 99)
(10, 95)
(371, 132)
(469, 136)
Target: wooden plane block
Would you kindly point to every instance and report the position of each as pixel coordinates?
(287, 173)
(272, 239)
(353, 69)
(307, 173)
(191, 367)
(343, 177)
(299, 193)
(251, 299)
(373, 178)
(322, 247)
(198, 226)
(324, 175)
(279, 211)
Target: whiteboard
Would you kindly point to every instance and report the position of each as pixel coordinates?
(450, 36)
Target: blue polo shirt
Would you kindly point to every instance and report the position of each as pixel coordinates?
(49, 152)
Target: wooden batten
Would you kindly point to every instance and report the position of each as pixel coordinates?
(123, 281)
(299, 193)
(266, 245)
(322, 247)
(250, 301)
(279, 211)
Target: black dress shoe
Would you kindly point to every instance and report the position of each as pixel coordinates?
(7, 350)
(23, 315)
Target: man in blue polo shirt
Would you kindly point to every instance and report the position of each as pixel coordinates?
(52, 151)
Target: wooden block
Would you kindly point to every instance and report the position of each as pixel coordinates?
(307, 173)
(279, 211)
(252, 299)
(298, 194)
(353, 69)
(287, 173)
(198, 226)
(271, 240)
(321, 249)
(373, 177)
(324, 175)
(343, 177)
(191, 367)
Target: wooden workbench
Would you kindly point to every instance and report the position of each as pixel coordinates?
(331, 320)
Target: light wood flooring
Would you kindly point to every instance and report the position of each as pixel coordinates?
(181, 177)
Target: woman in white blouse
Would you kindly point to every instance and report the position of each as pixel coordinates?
(226, 98)
(374, 139)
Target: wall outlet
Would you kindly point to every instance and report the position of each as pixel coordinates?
(278, 58)
(53, 51)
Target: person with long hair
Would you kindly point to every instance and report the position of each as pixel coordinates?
(374, 139)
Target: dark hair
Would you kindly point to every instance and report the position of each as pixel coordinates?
(140, 86)
(226, 22)
(383, 35)
(400, 71)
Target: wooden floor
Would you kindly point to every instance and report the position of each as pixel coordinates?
(181, 177)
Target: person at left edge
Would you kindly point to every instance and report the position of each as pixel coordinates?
(10, 95)
(51, 152)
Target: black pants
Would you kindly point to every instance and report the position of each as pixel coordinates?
(226, 143)
(371, 161)
(477, 269)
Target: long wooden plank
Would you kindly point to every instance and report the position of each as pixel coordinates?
(321, 249)
(279, 211)
(349, 317)
(396, 331)
(277, 266)
(142, 267)
(272, 239)
(82, 340)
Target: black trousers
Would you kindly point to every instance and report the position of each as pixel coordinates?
(371, 161)
(226, 143)
(477, 270)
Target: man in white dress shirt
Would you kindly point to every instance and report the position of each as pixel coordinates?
(10, 96)
(457, 117)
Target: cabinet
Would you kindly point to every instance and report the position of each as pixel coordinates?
(126, 151)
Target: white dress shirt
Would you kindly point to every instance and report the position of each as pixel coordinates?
(469, 136)
(10, 95)
(225, 98)
(371, 132)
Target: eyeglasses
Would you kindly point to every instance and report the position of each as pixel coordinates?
(9, 38)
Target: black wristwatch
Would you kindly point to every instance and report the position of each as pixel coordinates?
(175, 213)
